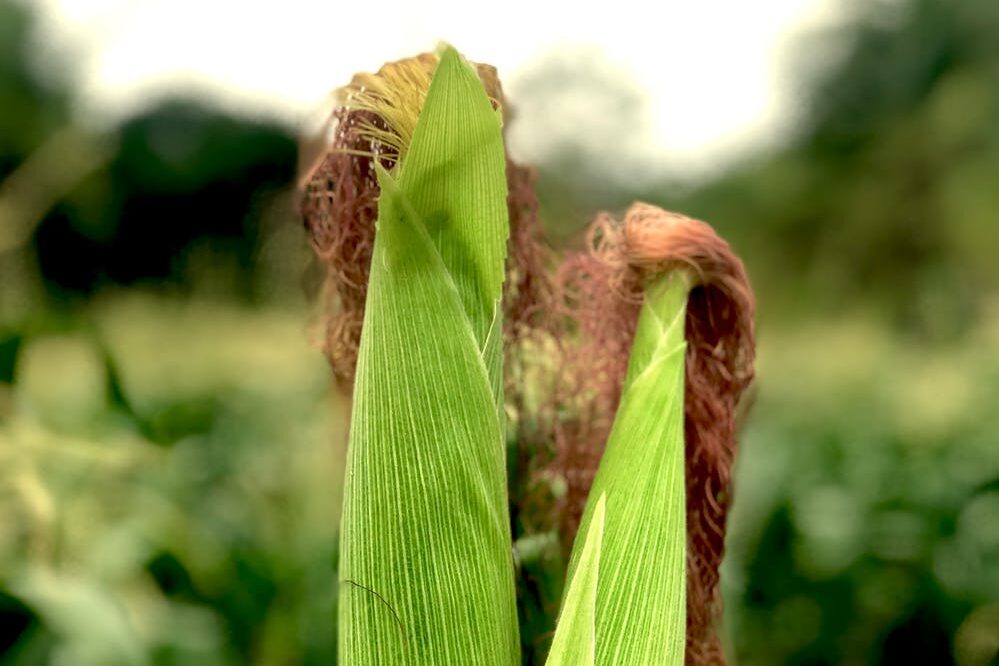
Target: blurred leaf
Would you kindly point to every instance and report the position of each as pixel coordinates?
(93, 627)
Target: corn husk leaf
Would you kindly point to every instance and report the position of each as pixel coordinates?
(575, 639)
(640, 596)
(426, 568)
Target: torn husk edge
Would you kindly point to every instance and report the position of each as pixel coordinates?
(600, 290)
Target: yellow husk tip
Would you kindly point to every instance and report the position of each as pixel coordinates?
(395, 96)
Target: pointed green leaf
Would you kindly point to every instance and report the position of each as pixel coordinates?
(426, 568)
(575, 638)
(459, 195)
(641, 602)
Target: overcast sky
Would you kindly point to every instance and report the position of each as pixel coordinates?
(716, 71)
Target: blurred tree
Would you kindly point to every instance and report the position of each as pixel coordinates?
(176, 194)
(30, 110)
(180, 201)
(585, 124)
(886, 195)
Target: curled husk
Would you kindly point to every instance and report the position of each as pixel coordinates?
(601, 292)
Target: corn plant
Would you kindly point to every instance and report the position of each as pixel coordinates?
(415, 230)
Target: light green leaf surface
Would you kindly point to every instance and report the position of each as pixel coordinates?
(575, 639)
(426, 568)
(455, 177)
(641, 603)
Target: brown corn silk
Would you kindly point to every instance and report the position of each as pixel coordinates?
(579, 317)
(602, 293)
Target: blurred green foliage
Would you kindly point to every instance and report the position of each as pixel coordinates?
(170, 455)
(169, 490)
(186, 191)
(866, 524)
(886, 195)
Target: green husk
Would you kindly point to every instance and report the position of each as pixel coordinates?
(575, 639)
(640, 615)
(426, 569)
